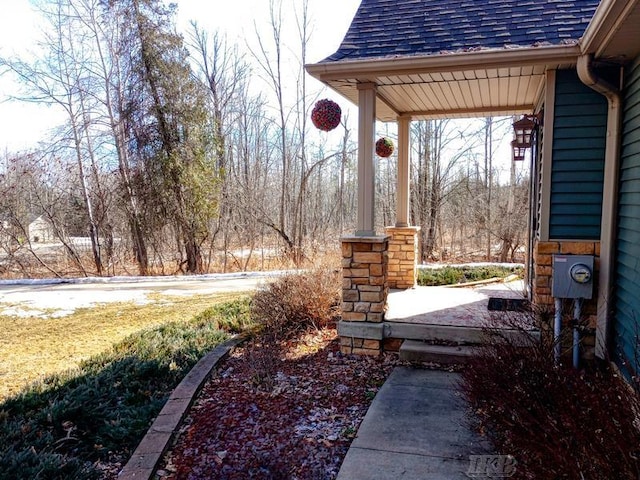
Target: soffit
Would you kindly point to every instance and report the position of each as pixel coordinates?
(452, 93)
(625, 44)
(614, 32)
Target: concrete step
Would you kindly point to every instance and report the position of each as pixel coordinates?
(433, 333)
(417, 351)
(451, 334)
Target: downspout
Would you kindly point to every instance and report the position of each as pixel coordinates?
(609, 200)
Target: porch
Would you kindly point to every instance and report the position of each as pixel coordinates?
(448, 317)
(399, 65)
(449, 306)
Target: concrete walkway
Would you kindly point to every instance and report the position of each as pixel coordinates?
(415, 429)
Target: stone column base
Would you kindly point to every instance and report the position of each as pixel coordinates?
(403, 256)
(364, 288)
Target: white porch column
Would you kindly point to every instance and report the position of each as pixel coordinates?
(366, 166)
(403, 194)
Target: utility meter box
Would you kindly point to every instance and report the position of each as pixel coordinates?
(572, 276)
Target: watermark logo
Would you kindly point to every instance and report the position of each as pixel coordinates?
(491, 466)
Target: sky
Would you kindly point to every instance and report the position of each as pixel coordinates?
(18, 121)
(22, 124)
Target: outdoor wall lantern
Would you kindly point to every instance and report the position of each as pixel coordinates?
(518, 151)
(523, 130)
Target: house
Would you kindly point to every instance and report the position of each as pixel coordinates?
(40, 230)
(5, 230)
(572, 68)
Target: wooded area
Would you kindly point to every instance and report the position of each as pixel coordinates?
(187, 153)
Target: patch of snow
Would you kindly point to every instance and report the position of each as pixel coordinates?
(159, 278)
(55, 304)
(61, 297)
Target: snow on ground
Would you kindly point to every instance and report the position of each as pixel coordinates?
(123, 279)
(50, 298)
(55, 303)
(58, 297)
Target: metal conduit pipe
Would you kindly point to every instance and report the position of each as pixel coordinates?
(609, 201)
(557, 329)
(577, 313)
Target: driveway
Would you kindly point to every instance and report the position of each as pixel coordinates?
(57, 298)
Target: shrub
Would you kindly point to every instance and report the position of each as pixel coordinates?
(286, 308)
(449, 275)
(297, 302)
(557, 422)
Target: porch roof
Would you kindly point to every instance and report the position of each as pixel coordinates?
(434, 59)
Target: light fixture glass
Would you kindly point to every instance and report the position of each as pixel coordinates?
(523, 130)
(518, 151)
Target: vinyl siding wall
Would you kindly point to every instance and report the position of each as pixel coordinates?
(626, 326)
(579, 137)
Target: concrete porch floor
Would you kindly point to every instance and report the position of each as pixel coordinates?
(447, 306)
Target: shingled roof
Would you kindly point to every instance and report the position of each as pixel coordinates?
(392, 28)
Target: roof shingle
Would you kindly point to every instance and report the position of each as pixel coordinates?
(392, 28)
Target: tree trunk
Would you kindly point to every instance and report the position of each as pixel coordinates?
(488, 166)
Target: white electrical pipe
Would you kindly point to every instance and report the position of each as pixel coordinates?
(557, 328)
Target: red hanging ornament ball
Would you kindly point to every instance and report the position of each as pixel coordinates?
(326, 115)
(384, 147)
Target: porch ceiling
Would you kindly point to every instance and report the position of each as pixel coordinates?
(452, 86)
(457, 58)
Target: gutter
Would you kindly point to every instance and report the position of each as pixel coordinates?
(609, 200)
(594, 29)
(445, 62)
(605, 23)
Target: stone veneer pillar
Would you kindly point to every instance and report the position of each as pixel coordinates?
(543, 261)
(403, 256)
(364, 288)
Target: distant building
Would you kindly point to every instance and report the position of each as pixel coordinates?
(5, 229)
(40, 230)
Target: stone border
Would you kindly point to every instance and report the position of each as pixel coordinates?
(145, 459)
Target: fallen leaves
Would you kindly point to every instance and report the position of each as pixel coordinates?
(299, 429)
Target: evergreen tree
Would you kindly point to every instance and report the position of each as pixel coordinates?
(170, 128)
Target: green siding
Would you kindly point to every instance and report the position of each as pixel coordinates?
(577, 173)
(626, 325)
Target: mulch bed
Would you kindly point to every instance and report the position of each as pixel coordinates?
(299, 426)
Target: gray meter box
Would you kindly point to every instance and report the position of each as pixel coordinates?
(572, 276)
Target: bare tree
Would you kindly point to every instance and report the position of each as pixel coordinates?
(488, 179)
(270, 63)
(222, 70)
(61, 78)
(111, 67)
(438, 160)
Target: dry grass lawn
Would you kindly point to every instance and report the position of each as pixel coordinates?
(33, 347)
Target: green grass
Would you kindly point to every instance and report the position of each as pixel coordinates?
(59, 427)
(453, 275)
(33, 347)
